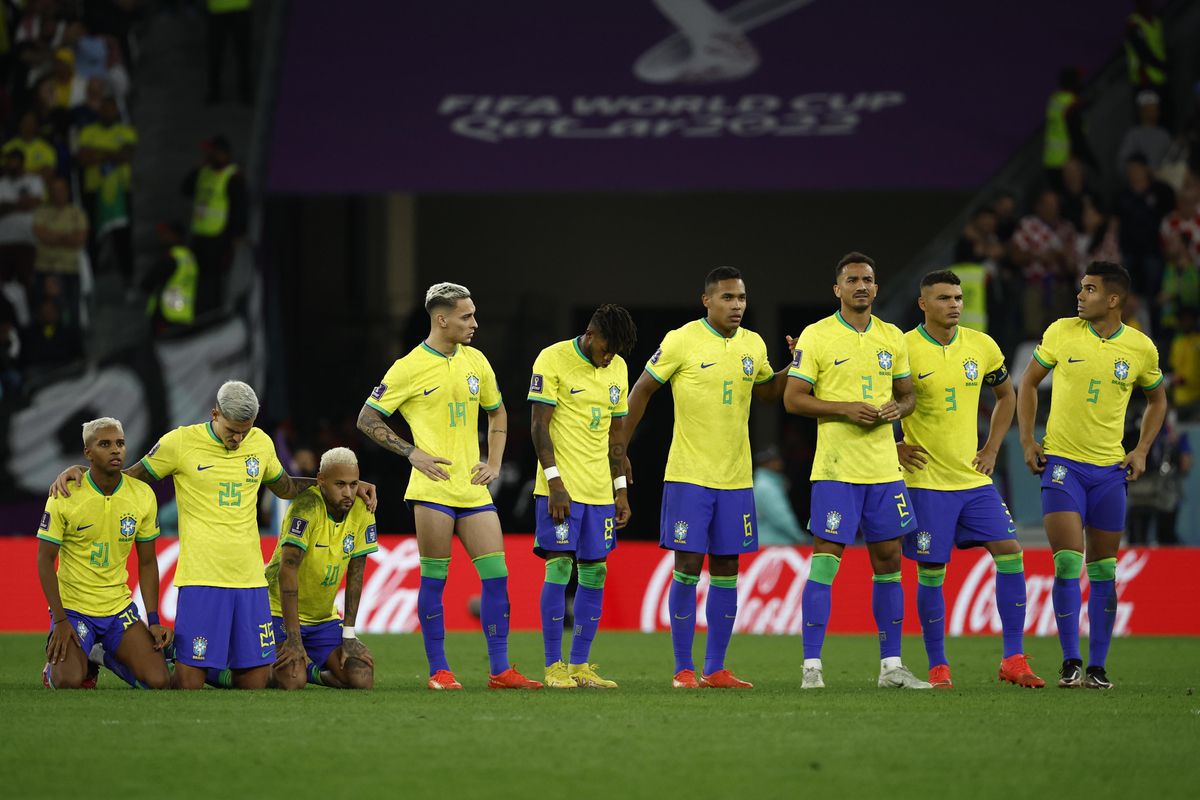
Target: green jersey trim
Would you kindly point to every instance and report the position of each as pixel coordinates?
(925, 334)
(842, 320)
(379, 408)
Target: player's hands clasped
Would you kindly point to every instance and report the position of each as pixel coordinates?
(1035, 458)
(162, 636)
(429, 466)
(62, 639)
(61, 486)
(621, 500)
(559, 502)
(290, 656)
(484, 473)
(911, 457)
(984, 462)
(889, 411)
(1134, 464)
(863, 414)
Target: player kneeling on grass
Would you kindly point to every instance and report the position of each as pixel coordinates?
(327, 535)
(91, 534)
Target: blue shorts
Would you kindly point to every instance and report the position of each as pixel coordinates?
(588, 532)
(882, 511)
(1096, 494)
(452, 512)
(696, 519)
(224, 628)
(963, 518)
(318, 640)
(108, 631)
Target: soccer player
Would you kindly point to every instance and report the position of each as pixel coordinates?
(327, 535)
(91, 534)
(714, 366)
(439, 389)
(580, 395)
(224, 612)
(949, 476)
(1097, 362)
(850, 371)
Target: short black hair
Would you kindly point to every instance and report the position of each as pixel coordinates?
(853, 257)
(721, 274)
(1114, 277)
(616, 327)
(940, 276)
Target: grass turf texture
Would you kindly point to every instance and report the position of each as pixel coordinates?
(642, 740)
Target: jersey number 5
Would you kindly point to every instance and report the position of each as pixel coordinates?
(1093, 391)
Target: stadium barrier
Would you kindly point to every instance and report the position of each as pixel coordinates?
(1151, 586)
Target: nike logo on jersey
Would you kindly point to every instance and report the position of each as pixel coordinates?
(265, 653)
(1074, 360)
(84, 527)
(706, 366)
(576, 391)
(839, 363)
(922, 377)
(904, 524)
(201, 469)
(431, 391)
(322, 545)
(1012, 530)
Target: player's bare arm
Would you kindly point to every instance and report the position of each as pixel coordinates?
(1027, 405)
(291, 657)
(639, 396)
(1156, 411)
(798, 399)
(148, 579)
(616, 469)
(62, 636)
(559, 501)
(772, 390)
(485, 472)
(372, 423)
(353, 648)
(74, 474)
(904, 400)
(1002, 415)
(288, 487)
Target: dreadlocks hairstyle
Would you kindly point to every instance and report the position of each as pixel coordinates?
(615, 325)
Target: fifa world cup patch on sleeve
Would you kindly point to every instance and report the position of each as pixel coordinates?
(378, 391)
(45, 524)
(299, 526)
(796, 359)
(535, 385)
(154, 449)
(371, 536)
(657, 355)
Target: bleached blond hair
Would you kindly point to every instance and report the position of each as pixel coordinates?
(237, 402)
(445, 295)
(338, 455)
(90, 428)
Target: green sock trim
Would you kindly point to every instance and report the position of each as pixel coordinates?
(314, 672)
(225, 678)
(592, 575)
(490, 565)
(824, 568)
(558, 570)
(931, 577)
(1068, 564)
(1103, 570)
(1010, 564)
(891, 577)
(435, 568)
(684, 578)
(724, 581)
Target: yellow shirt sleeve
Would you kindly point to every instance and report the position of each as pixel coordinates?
(995, 370)
(272, 467)
(622, 368)
(366, 542)
(543, 386)
(1046, 353)
(392, 391)
(806, 360)
(163, 458)
(489, 388)
(1152, 375)
(53, 527)
(148, 529)
(301, 519)
(900, 367)
(765, 373)
(667, 359)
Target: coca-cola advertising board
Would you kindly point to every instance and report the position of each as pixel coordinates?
(1150, 588)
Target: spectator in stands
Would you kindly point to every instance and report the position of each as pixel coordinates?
(38, 34)
(20, 194)
(229, 20)
(49, 343)
(1075, 192)
(70, 89)
(40, 157)
(1146, 49)
(1098, 238)
(171, 285)
(1185, 219)
(1180, 284)
(777, 523)
(1005, 206)
(978, 243)
(1184, 365)
(1044, 250)
(97, 57)
(1064, 136)
(105, 152)
(61, 230)
(1147, 137)
(1141, 206)
(1154, 499)
(219, 218)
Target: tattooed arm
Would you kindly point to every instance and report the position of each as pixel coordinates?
(372, 423)
(291, 654)
(353, 648)
(616, 468)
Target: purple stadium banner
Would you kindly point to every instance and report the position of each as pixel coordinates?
(645, 95)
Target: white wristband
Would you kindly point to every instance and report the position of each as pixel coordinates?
(551, 473)
(348, 632)
(619, 482)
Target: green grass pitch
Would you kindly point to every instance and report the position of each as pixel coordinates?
(643, 740)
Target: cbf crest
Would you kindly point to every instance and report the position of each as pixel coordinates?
(614, 395)
(473, 383)
(128, 526)
(562, 532)
(748, 365)
(885, 359)
(1058, 473)
(681, 531)
(348, 543)
(199, 647)
(1121, 369)
(924, 539)
(833, 521)
(252, 467)
(82, 629)
(971, 369)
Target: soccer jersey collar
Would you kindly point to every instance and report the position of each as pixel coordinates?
(579, 351)
(717, 333)
(1120, 330)
(932, 340)
(438, 353)
(842, 320)
(92, 483)
(213, 434)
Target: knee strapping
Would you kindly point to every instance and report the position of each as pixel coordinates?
(887, 577)
(558, 570)
(928, 576)
(437, 568)
(1103, 570)
(824, 568)
(684, 578)
(1010, 563)
(592, 574)
(1068, 564)
(724, 581)
(491, 565)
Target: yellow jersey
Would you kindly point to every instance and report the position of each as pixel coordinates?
(846, 366)
(712, 379)
(328, 546)
(217, 493)
(585, 399)
(39, 155)
(948, 380)
(439, 397)
(95, 533)
(1093, 379)
(112, 137)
